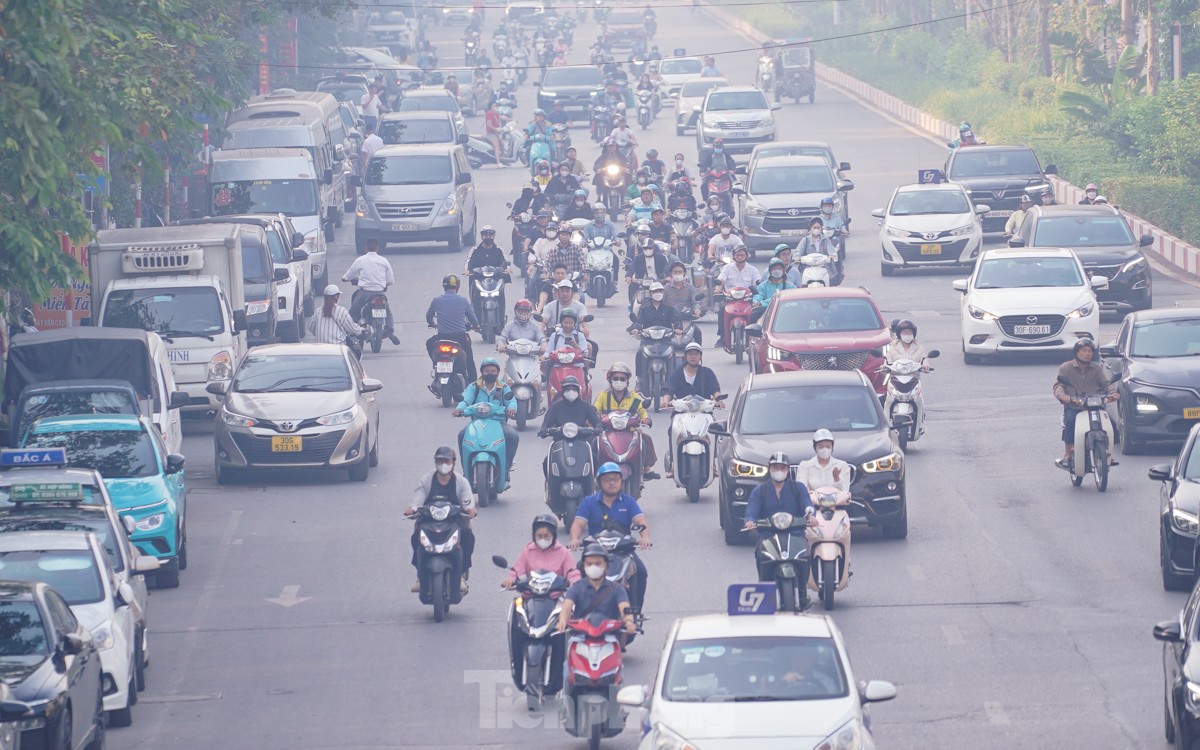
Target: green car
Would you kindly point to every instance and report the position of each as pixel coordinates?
(144, 481)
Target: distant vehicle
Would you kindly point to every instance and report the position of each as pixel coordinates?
(676, 71)
(1179, 514)
(929, 225)
(571, 85)
(738, 115)
(781, 196)
(691, 94)
(997, 177)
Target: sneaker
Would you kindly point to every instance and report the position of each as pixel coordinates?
(464, 587)
(719, 344)
(416, 587)
(651, 475)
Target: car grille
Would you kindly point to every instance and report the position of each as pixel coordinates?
(35, 739)
(740, 125)
(832, 361)
(1108, 272)
(1009, 322)
(789, 218)
(987, 196)
(317, 449)
(404, 210)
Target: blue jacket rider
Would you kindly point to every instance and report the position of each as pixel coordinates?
(488, 389)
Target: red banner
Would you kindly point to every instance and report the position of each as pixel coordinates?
(64, 308)
(264, 67)
(287, 50)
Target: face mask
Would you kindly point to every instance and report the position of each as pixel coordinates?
(619, 385)
(490, 377)
(641, 180)
(570, 395)
(826, 209)
(779, 475)
(776, 274)
(543, 543)
(488, 242)
(677, 277)
(594, 572)
(718, 150)
(679, 162)
(816, 232)
(725, 231)
(1091, 194)
(445, 468)
(657, 296)
(551, 233)
(579, 201)
(907, 338)
(824, 453)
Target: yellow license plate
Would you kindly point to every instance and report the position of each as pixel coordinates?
(287, 444)
(931, 249)
(1193, 413)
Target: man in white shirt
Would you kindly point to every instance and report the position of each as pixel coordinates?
(739, 273)
(823, 470)
(371, 143)
(369, 105)
(373, 273)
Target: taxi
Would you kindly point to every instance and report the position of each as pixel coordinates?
(751, 680)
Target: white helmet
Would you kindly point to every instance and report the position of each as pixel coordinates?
(822, 434)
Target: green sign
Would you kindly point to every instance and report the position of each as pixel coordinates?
(24, 493)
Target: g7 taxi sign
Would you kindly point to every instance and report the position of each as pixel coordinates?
(10, 457)
(751, 599)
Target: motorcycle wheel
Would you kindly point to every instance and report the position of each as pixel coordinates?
(570, 508)
(787, 595)
(522, 415)
(1100, 464)
(655, 390)
(594, 738)
(738, 336)
(695, 477)
(483, 483)
(377, 339)
(633, 486)
(447, 398)
(903, 436)
(437, 595)
(489, 331)
(828, 583)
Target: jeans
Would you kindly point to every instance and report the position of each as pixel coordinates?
(359, 299)
(464, 340)
(511, 440)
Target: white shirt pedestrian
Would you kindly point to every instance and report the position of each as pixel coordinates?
(745, 277)
(373, 271)
(371, 144)
(369, 104)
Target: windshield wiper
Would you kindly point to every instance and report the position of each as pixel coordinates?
(309, 389)
(184, 335)
(756, 698)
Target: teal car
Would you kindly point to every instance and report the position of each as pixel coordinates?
(144, 481)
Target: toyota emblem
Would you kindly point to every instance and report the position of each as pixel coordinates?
(287, 426)
(931, 235)
(793, 212)
(1031, 320)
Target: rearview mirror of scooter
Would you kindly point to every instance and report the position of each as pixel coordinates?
(720, 397)
(538, 318)
(933, 354)
(499, 562)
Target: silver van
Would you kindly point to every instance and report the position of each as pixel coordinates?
(417, 194)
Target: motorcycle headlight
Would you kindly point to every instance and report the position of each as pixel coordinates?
(894, 232)
(237, 420)
(570, 430)
(1136, 262)
(753, 209)
(745, 469)
(782, 521)
(848, 736)
(342, 417)
(889, 462)
(1082, 312)
(612, 170)
(258, 308)
(150, 523)
(978, 313)
(1186, 522)
(103, 636)
(666, 739)
(450, 205)
(963, 230)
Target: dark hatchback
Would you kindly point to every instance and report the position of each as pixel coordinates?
(780, 412)
(1179, 515)
(50, 663)
(1105, 245)
(997, 177)
(572, 85)
(1157, 356)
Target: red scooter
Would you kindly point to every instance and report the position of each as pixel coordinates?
(621, 443)
(589, 709)
(720, 182)
(566, 362)
(738, 309)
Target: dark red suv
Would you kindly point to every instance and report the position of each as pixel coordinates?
(830, 328)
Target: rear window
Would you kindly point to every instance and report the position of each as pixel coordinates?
(396, 132)
(825, 315)
(971, 163)
(1082, 231)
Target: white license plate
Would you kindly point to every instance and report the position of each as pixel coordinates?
(444, 367)
(1031, 330)
(998, 214)
(739, 134)
(404, 227)
(792, 232)
(378, 312)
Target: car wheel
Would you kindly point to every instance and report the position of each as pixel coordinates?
(167, 576)
(971, 359)
(1129, 446)
(1168, 725)
(373, 457)
(62, 735)
(182, 551)
(224, 475)
(897, 529)
(456, 242)
(360, 243)
(123, 717)
(359, 471)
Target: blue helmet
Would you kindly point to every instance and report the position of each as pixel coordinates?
(581, 193)
(828, 200)
(489, 361)
(608, 468)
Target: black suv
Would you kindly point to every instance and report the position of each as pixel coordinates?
(780, 412)
(573, 86)
(997, 177)
(1179, 513)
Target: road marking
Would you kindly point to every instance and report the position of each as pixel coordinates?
(179, 698)
(289, 597)
(916, 572)
(995, 713)
(954, 636)
(237, 541)
(923, 313)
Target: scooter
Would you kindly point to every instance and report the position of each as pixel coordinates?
(484, 460)
(1093, 440)
(658, 360)
(581, 9)
(524, 374)
(570, 469)
(470, 53)
(738, 309)
(612, 188)
(449, 373)
(691, 454)
(904, 403)
(719, 181)
(621, 443)
(816, 270)
(829, 544)
(681, 340)
(598, 262)
(565, 362)
(766, 73)
(535, 650)
(782, 557)
(589, 707)
(439, 556)
(561, 138)
(373, 316)
(645, 111)
(539, 150)
(488, 283)
(683, 223)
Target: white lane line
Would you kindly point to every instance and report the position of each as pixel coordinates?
(953, 635)
(995, 712)
(916, 572)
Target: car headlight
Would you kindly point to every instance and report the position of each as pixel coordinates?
(667, 739)
(1193, 695)
(894, 232)
(258, 308)
(1145, 405)
(959, 232)
(978, 313)
(361, 208)
(150, 523)
(450, 205)
(342, 417)
(753, 209)
(544, 92)
(777, 354)
(744, 469)
(1131, 265)
(1186, 522)
(237, 420)
(1082, 312)
(103, 636)
(220, 367)
(848, 736)
(768, 122)
(889, 462)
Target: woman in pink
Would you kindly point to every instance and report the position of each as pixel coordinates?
(544, 553)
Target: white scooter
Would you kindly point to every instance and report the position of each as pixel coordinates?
(904, 403)
(829, 544)
(816, 271)
(523, 371)
(691, 454)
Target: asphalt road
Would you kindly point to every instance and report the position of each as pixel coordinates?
(1016, 614)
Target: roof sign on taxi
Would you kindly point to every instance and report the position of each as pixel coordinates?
(10, 457)
(751, 599)
(45, 492)
(931, 177)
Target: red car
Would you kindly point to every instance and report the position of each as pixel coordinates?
(830, 328)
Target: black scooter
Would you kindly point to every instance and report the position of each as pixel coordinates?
(439, 556)
(570, 467)
(535, 651)
(783, 558)
(449, 372)
(373, 316)
(622, 569)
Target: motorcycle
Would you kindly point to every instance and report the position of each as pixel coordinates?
(488, 283)
(645, 111)
(500, 47)
(622, 567)
(602, 121)
(439, 556)
(766, 73)
(484, 461)
(560, 136)
(539, 149)
(598, 262)
(720, 182)
(535, 650)
(524, 374)
(816, 270)
(829, 544)
(692, 451)
(523, 226)
(471, 53)
(449, 373)
(373, 317)
(570, 469)
(567, 362)
(522, 67)
(683, 223)
(904, 403)
(612, 189)
(621, 443)
(783, 558)
(658, 359)
(581, 9)
(738, 308)
(22, 320)
(589, 708)
(685, 337)
(1093, 440)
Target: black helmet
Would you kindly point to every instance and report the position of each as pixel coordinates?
(778, 457)
(900, 325)
(594, 550)
(570, 382)
(1084, 342)
(548, 520)
(443, 453)
(652, 154)
(449, 281)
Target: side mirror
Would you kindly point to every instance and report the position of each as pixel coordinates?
(738, 190)
(298, 238)
(1016, 242)
(125, 591)
(878, 691)
(217, 387)
(145, 563)
(538, 317)
(1099, 283)
(1146, 240)
(281, 274)
(1160, 472)
(500, 562)
(11, 710)
(845, 186)
(632, 318)
(933, 354)
(299, 255)
(175, 463)
(776, 107)
(1051, 169)
(72, 644)
(982, 209)
(1109, 350)
(877, 213)
(129, 524)
(844, 166)
(463, 178)
(633, 696)
(239, 321)
(719, 429)
(327, 176)
(371, 385)
(696, 108)
(587, 318)
(1168, 632)
(740, 169)
(754, 330)
(178, 400)
(959, 285)
(462, 139)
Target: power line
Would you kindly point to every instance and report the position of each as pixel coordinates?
(349, 5)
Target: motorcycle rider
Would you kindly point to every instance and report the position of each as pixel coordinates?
(562, 186)
(493, 125)
(563, 301)
(533, 201)
(1013, 225)
(602, 227)
(578, 207)
(488, 388)
(567, 333)
(713, 213)
(661, 231)
(655, 312)
(565, 252)
(372, 274)
(595, 594)
(573, 162)
(444, 483)
(558, 115)
(816, 242)
(905, 345)
(570, 408)
(739, 273)
(610, 155)
(541, 174)
(641, 180)
(625, 139)
(776, 281)
(829, 219)
(333, 324)
(658, 169)
(522, 326)
(966, 136)
(1090, 193)
(710, 69)
(647, 262)
(543, 553)
(779, 493)
(486, 253)
(679, 170)
(681, 197)
(620, 397)
(454, 317)
(681, 294)
(691, 378)
(611, 507)
(1084, 376)
(643, 208)
(714, 159)
(1047, 196)
(823, 470)
(783, 251)
(540, 248)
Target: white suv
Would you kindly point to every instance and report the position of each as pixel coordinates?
(1027, 299)
(738, 115)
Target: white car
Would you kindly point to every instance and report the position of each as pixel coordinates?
(1032, 299)
(929, 225)
(739, 116)
(755, 682)
(675, 71)
(75, 565)
(691, 94)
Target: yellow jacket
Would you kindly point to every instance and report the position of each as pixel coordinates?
(607, 402)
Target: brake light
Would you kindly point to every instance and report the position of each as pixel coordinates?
(447, 349)
(379, 302)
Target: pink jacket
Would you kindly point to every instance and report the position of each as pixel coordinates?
(558, 559)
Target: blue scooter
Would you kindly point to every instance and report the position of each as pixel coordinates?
(540, 149)
(484, 451)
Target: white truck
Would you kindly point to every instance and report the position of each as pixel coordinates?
(185, 284)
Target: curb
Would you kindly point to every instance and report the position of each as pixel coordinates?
(1171, 250)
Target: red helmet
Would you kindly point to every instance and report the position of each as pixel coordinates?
(523, 304)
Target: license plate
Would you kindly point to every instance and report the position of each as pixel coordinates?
(792, 233)
(404, 227)
(739, 134)
(998, 214)
(1192, 413)
(444, 367)
(378, 312)
(931, 249)
(1031, 330)
(290, 444)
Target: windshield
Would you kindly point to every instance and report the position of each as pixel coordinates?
(698, 89)
(797, 56)
(759, 668)
(780, 180)
(1166, 338)
(171, 313)
(395, 132)
(22, 632)
(579, 76)
(971, 163)
(116, 454)
(64, 518)
(730, 101)
(408, 170)
(624, 18)
(926, 202)
(266, 373)
(1082, 231)
(66, 403)
(72, 573)
(280, 254)
(764, 152)
(680, 67)
(427, 104)
(291, 197)
(344, 92)
(824, 314)
(1020, 273)
(841, 408)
